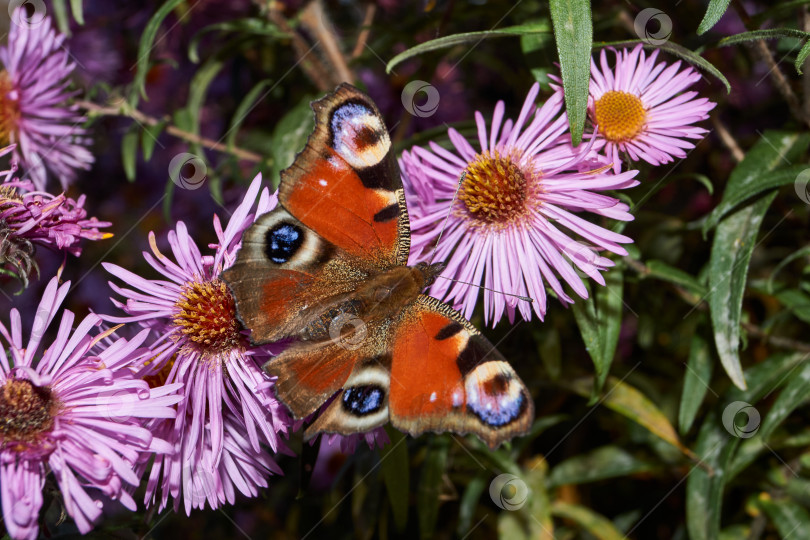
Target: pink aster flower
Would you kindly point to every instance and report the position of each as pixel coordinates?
(642, 108)
(72, 414)
(516, 215)
(34, 112)
(229, 401)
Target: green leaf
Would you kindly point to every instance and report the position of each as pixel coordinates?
(61, 16)
(758, 35)
(573, 32)
(395, 472)
(599, 320)
(245, 106)
(596, 524)
(768, 164)
(534, 47)
(149, 137)
(797, 302)
(253, 26)
(197, 91)
(704, 488)
(713, 13)
(663, 271)
(673, 48)
(695, 382)
(541, 27)
(129, 153)
(600, 464)
(469, 502)
(290, 136)
(631, 403)
(803, 54)
(788, 516)
(76, 6)
(430, 485)
(732, 247)
(145, 48)
(795, 393)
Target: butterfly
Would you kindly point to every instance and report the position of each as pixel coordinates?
(327, 269)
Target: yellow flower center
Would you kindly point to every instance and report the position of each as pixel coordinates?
(26, 411)
(620, 116)
(207, 317)
(495, 189)
(9, 109)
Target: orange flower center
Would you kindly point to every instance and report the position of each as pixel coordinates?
(9, 109)
(26, 411)
(620, 116)
(207, 317)
(495, 189)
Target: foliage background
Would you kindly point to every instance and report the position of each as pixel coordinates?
(647, 454)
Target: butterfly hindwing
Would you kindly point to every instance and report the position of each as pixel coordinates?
(445, 376)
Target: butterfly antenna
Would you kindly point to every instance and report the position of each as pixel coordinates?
(519, 297)
(447, 217)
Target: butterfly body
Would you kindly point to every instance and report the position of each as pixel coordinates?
(328, 270)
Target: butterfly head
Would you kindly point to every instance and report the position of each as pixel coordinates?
(430, 271)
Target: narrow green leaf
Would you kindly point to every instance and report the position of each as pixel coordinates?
(630, 402)
(713, 13)
(803, 54)
(732, 247)
(678, 50)
(469, 502)
(464, 38)
(573, 32)
(76, 6)
(596, 524)
(773, 161)
(795, 393)
(396, 475)
(145, 48)
(600, 464)
(695, 381)
(797, 302)
(290, 135)
(245, 106)
(61, 15)
(757, 35)
(256, 26)
(149, 137)
(535, 47)
(704, 485)
(663, 271)
(129, 153)
(754, 185)
(197, 91)
(599, 319)
(430, 484)
(788, 516)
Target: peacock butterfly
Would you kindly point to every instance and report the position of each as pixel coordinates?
(327, 269)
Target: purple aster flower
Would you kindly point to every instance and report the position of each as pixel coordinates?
(29, 218)
(642, 109)
(515, 216)
(72, 414)
(229, 401)
(34, 112)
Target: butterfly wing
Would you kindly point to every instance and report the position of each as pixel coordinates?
(345, 184)
(341, 218)
(446, 376)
